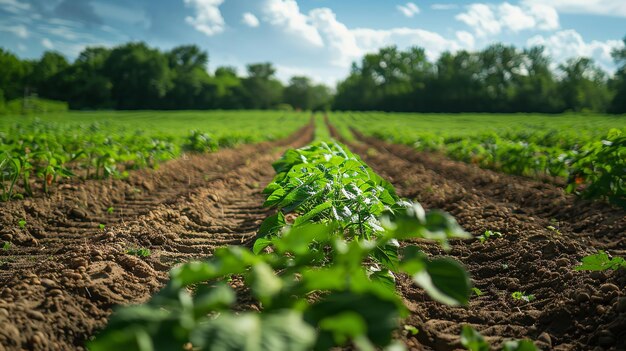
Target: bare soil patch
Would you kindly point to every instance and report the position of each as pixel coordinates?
(64, 273)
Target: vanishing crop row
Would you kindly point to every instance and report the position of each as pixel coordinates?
(588, 152)
(322, 270)
(35, 153)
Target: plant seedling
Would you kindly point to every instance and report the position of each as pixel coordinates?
(411, 329)
(7, 246)
(22, 224)
(110, 210)
(601, 262)
(519, 295)
(477, 291)
(554, 229)
(140, 252)
(488, 234)
(101, 226)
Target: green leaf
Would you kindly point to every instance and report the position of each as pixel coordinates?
(264, 282)
(445, 280)
(472, 340)
(272, 225)
(519, 345)
(279, 331)
(314, 212)
(381, 316)
(600, 262)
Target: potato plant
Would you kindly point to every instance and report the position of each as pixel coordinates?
(588, 153)
(325, 279)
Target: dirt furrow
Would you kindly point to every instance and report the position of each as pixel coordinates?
(62, 277)
(539, 247)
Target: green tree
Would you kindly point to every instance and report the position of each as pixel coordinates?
(263, 91)
(48, 74)
(584, 86)
(618, 104)
(140, 76)
(190, 79)
(12, 75)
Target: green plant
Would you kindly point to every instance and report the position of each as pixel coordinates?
(101, 226)
(141, 252)
(522, 296)
(22, 223)
(473, 341)
(601, 261)
(489, 234)
(7, 246)
(325, 280)
(477, 291)
(110, 210)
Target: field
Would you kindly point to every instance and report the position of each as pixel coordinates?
(410, 228)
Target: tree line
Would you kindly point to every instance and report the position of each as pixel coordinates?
(499, 78)
(136, 76)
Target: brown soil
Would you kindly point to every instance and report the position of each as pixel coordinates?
(572, 311)
(63, 274)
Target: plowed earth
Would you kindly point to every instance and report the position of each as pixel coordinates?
(545, 234)
(62, 276)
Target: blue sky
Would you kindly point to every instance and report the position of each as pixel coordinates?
(318, 38)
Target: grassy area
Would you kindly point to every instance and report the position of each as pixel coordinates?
(40, 150)
(171, 123)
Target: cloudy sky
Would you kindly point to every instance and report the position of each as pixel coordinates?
(318, 38)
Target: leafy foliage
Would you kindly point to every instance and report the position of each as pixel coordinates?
(601, 262)
(324, 280)
(473, 341)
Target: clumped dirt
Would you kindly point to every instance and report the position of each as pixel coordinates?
(63, 273)
(545, 234)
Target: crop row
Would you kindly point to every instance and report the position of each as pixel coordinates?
(36, 154)
(589, 155)
(321, 272)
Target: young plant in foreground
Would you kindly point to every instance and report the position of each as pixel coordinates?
(325, 280)
(489, 234)
(601, 262)
(473, 341)
(522, 296)
(140, 252)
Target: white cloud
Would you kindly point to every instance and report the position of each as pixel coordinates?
(409, 10)
(488, 19)
(286, 14)
(342, 45)
(46, 43)
(434, 44)
(208, 18)
(568, 43)
(18, 30)
(21, 47)
(339, 38)
(14, 6)
(597, 7)
(481, 18)
(443, 7)
(465, 39)
(250, 20)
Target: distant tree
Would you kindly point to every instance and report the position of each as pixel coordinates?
(537, 89)
(13, 73)
(85, 84)
(47, 76)
(228, 89)
(263, 90)
(190, 79)
(618, 104)
(141, 76)
(584, 86)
